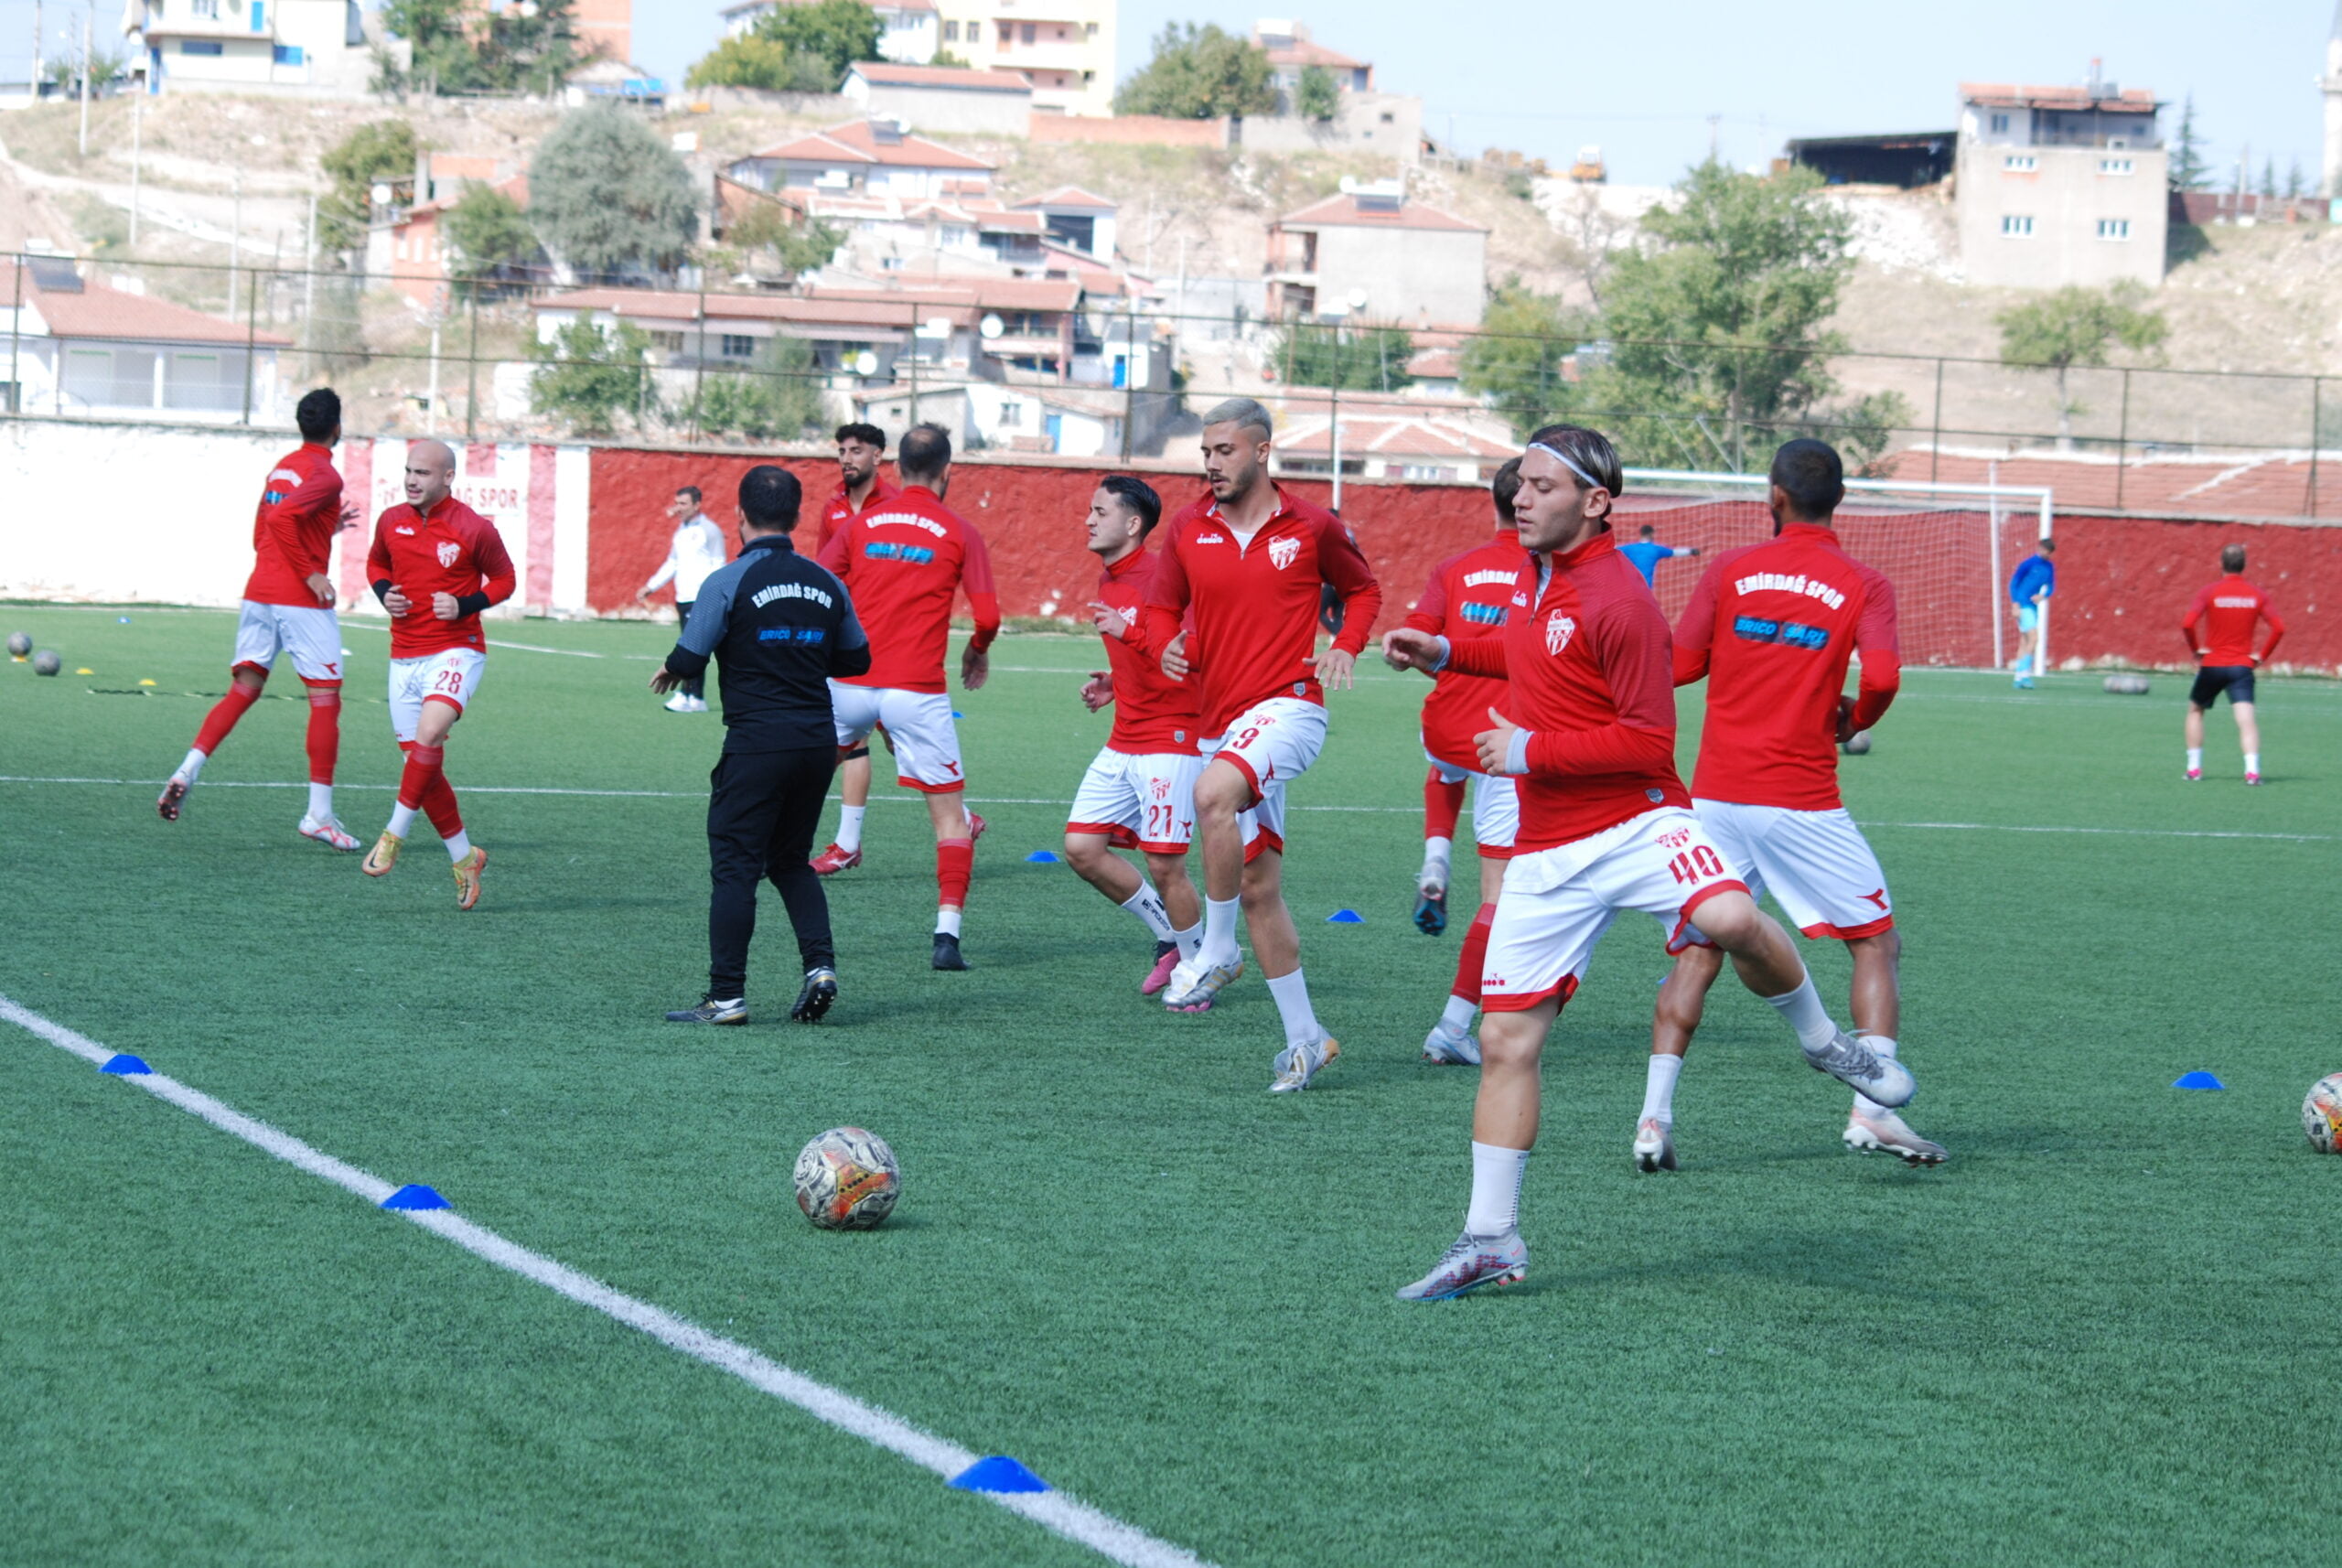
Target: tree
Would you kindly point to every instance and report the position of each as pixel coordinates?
(1201, 73)
(1717, 331)
(531, 47)
(779, 398)
(753, 61)
(587, 378)
(1317, 97)
(440, 51)
(795, 247)
(2077, 326)
(608, 195)
(2295, 186)
(801, 48)
(2269, 178)
(1354, 359)
(380, 149)
(489, 232)
(1516, 364)
(2190, 170)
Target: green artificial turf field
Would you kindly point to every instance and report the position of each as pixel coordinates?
(2096, 1335)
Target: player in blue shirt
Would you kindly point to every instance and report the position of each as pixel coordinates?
(1647, 553)
(2035, 579)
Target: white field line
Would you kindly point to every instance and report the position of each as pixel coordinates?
(1055, 1511)
(1053, 801)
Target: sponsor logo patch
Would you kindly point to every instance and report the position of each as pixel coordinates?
(883, 550)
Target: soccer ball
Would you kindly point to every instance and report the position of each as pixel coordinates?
(847, 1179)
(19, 644)
(44, 662)
(2322, 1114)
(1857, 743)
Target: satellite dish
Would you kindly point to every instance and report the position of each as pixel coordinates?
(865, 363)
(1358, 299)
(383, 193)
(992, 327)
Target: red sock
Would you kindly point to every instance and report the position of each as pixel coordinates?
(955, 863)
(420, 779)
(439, 805)
(1475, 956)
(1443, 803)
(325, 731)
(223, 716)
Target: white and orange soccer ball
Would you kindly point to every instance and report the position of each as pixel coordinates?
(2322, 1114)
(847, 1179)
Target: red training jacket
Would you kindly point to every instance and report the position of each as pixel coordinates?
(841, 509)
(2227, 610)
(902, 561)
(449, 550)
(1470, 598)
(293, 528)
(1153, 712)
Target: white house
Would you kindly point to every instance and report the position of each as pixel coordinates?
(76, 345)
(301, 47)
(942, 98)
(912, 34)
(865, 157)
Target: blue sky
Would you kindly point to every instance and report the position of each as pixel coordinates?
(1641, 79)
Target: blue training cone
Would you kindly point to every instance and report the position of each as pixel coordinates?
(2198, 1080)
(124, 1064)
(414, 1195)
(1346, 918)
(1040, 857)
(998, 1473)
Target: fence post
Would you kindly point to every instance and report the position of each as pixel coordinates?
(1935, 435)
(16, 334)
(471, 392)
(2122, 441)
(2316, 435)
(252, 339)
(1130, 371)
(699, 360)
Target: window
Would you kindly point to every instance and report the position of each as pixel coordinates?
(1007, 33)
(1012, 415)
(2016, 227)
(208, 10)
(2114, 228)
(2020, 163)
(2116, 166)
(1093, 31)
(1029, 32)
(2000, 125)
(288, 54)
(667, 342)
(738, 345)
(950, 32)
(1422, 471)
(200, 47)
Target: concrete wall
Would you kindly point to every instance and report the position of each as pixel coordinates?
(931, 109)
(1409, 275)
(1129, 130)
(2067, 197)
(1387, 122)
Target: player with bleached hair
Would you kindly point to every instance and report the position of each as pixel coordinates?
(1771, 627)
(1247, 564)
(1588, 732)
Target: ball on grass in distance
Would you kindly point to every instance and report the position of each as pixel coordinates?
(847, 1179)
(19, 643)
(1857, 743)
(2126, 685)
(2322, 1114)
(45, 662)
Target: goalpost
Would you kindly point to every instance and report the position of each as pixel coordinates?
(1948, 549)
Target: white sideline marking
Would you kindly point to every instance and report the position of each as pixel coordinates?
(1055, 1511)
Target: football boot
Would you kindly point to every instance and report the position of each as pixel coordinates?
(1471, 1262)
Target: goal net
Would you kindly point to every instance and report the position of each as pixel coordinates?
(1948, 549)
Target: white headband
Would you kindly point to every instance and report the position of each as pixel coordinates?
(1562, 459)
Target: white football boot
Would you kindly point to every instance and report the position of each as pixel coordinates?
(1863, 1071)
(1296, 1065)
(1654, 1145)
(329, 832)
(1471, 1262)
(1447, 1046)
(1194, 982)
(1885, 1132)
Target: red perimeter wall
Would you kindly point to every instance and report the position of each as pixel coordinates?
(2123, 581)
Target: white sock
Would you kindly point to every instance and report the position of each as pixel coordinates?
(1437, 851)
(2252, 762)
(320, 803)
(947, 922)
(1291, 993)
(1659, 1089)
(1219, 930)
(1149, 907)
(1191, 940)
(1803, 1009)
(2194, 759)
(849, 837)
(1883, 1045)
(1457, 1013)
(192, 768)
(459, 845)
(401, 821)
(1495, 1190)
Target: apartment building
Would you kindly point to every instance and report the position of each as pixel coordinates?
(298, 47)
(1066, 46)
(1370, 254)
(911, 25)
(2060, 185)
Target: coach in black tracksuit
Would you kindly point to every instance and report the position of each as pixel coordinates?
(779, 626)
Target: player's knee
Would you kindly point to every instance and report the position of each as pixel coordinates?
(1733, 921)
(1886, 946)
(325, 694)
(1222, 790)
(1511, 1041)
(1084, 852)
(1165, 870)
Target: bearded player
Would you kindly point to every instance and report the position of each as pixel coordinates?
(1470, 598)
(1605, 826)
(1772, 627)
(1247, 564)
(903, 560)
(1140, 792)
(860, 449)
(288, 608)
(435, 565)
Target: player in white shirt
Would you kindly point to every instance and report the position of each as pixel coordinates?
(698, 550)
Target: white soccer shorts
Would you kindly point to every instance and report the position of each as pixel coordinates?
(451, 676)
(918, 727)
(1557, 902)
(1817, 865)
(309, 632)
(1139, 802)
(1274, 744)
(1496, 806)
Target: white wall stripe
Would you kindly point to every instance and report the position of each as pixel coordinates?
(1053, 1510)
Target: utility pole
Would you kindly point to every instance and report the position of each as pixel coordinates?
(1715, 140)
(138, 112)
(37, 59)
(309, 287)
(88, 7)
(235, 238)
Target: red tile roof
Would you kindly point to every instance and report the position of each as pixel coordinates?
(1400, 435)
(1345, 212)
(1306, 52)
(852, 143)
(1997, 95)
(886, 73)
(1073, 196)
(100, 312)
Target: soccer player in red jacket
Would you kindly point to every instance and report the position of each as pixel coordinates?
(1771, 627)
(1248, 565)
(435, 565)
(861, 447)
(1140, 792)
(1470, 597)
(2220, 627)
(288, 608)
(903, 560)
(1588, 730)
